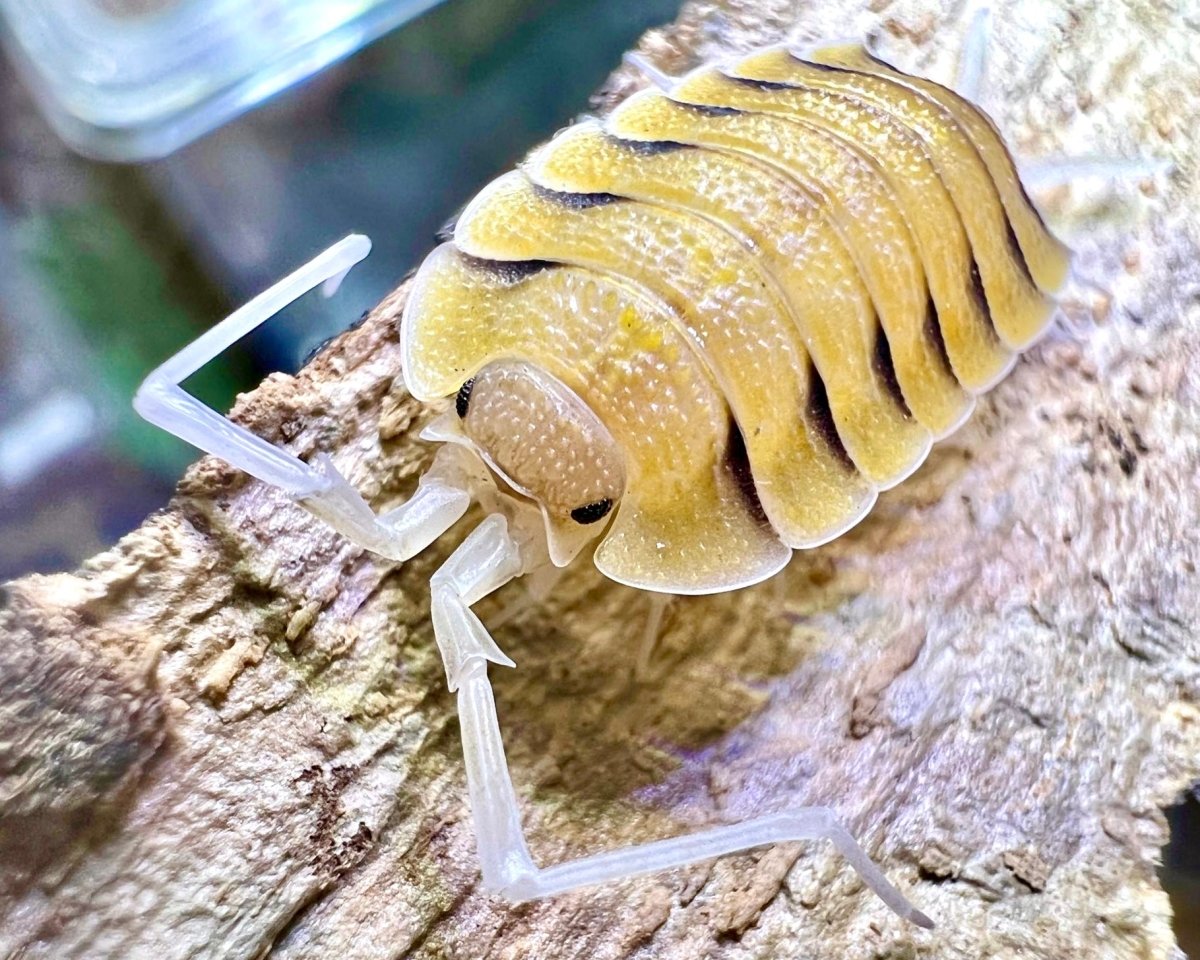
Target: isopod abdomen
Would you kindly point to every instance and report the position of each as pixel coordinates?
(734, 310)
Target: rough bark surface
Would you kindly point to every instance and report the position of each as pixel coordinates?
(229, 736)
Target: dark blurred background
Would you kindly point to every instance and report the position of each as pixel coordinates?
(109, 268)
(106, 269)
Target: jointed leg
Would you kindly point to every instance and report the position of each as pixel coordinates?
(441, 498)
(1052, 171)
(657, 604)
(487, 559)
(539, 584)
(972, 59)
(164, 403)
(660, 78)
(1049, 172)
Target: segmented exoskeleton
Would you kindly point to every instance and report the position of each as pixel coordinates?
(762, 294)
(706, 329)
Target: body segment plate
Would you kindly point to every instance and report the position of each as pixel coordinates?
(774, 283)
(1048, 258)
(870, 396)
(731, 313)
(920, 146)
(898, 251)
(684, 524)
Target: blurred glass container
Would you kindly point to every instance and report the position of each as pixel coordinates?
(136, 79)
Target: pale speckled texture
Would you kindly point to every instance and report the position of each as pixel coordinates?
(864, 209)
(995, 679)
(731, 310)
(924, 157)
(804, 253)
(660, 403)
(544, 438)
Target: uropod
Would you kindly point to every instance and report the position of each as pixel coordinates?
(697, 334)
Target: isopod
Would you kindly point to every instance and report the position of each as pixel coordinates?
(699, 333)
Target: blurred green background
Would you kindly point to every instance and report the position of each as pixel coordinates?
(108, 269)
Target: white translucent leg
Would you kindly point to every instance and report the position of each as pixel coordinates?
(661, 79)
(164, 403)
(972, 61)
(651, 632)
(1063, 171)
(441, 497)
(539, 584)
(1052, 171)
(482, 564)
(488, 558)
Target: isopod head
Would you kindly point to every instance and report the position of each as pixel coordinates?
(538, 436)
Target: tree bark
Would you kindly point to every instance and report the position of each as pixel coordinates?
(229, 736)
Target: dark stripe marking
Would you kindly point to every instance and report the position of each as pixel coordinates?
(577, 201)
(649, 148)
(708, 111)
(979, 295)
(885, 369)
(1021, 186)
(760, 84)
(954, 124)
(932, 329)
(737, 462)
(1015, 251)
(1008, 158)
(508, 271)
(826, 67)
(820, 417)
(883, 63)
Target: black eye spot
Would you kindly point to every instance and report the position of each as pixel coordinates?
(592, 512)
(463, 400)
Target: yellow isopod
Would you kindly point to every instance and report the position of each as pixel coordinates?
(766, 289)
(700, 333)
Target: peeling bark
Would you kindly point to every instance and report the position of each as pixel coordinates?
(229, 736)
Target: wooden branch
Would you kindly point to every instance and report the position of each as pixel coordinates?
(230, 737)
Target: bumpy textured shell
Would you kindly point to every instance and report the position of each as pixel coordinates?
(776, 284)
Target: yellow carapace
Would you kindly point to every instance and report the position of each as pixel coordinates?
(733, 310)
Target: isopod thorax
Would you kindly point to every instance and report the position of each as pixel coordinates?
(757, 297)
